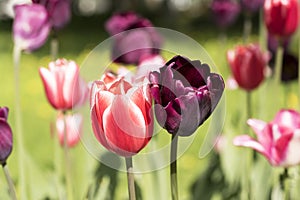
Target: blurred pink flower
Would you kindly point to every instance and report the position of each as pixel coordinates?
(59, 11)
(248, 64)
(278, 141)
(73, 128)
(31, 26)
(64, 88)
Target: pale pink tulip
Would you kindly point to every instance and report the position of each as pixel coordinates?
(63, 86)
(73, 124)
(278, 141)
(121, 114)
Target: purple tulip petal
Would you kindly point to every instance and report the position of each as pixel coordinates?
(31, 26)
(5, 141)
(4, 113)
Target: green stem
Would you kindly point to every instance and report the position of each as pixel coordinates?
(130, 178)
(68, 174)
(9, 182)
(247, 28)
(18, 123)
(249, 105)
(54, 47)
(278, 63)
(262, 31)
(173, 170)
(282, 180)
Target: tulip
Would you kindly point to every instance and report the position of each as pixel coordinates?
(5, 136)
(59, 11)
(134, 38)
(31, 26)
(63, 86)
(248, 64)
(281, 17)
(252, 5)
(225, 12)
(183, 88)
(121, 114)
(278, 141)
(149, 64)
(71, 125)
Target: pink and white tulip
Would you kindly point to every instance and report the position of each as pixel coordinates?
(121, 114)
(64, 88)
(71, 125)
(278, 141)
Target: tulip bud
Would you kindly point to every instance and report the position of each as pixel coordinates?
(71, 125)
(248, 64)
(5, 136)
(63, 86)
(281, 17)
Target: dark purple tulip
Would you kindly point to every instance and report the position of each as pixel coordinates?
(31, 26)
(185, 94)
(252, 5)
(5, 136)
(59, 11)
(139, 40)
(225, 12)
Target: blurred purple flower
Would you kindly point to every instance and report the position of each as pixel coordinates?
(185, 94)
(59, 11)
(31, 26)
(5, 136)
(225, 12)
(139, 40)
(252, 5)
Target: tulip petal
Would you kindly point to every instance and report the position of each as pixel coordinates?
(124, 126)
(50, 86)
(70, 81)
(5, 140)
(247, 141)
(293, 149)
(3, 113)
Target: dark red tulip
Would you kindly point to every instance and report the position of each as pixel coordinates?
(248, 64)
(5, 136)
(139, 40)
(185, 94)
(281, 17)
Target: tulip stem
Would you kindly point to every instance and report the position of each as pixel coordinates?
(54, 48)
(249, 106)
(173, 170)
(130, 178)
(18, 123)
(247, 28)
(278, 63)
(67, 163)
(282, 180)
(9, 182)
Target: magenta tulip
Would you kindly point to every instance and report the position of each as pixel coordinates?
(121, 114)
(278, 141)
(225, 12)
(186, 93)
(281, 17)
(134, 38)
(248, 64)
(59, 11)
(31, 26)
(71, 125)
(5, 136)
(64, 88)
